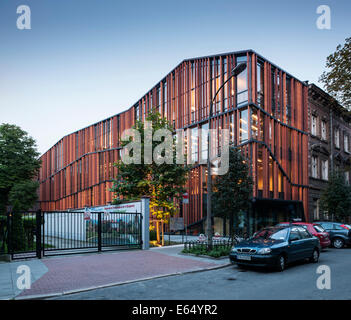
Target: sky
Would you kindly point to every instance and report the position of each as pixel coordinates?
(85, 60)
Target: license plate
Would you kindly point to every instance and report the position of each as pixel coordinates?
(243, 257)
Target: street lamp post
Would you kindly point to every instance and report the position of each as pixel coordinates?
(235, 71)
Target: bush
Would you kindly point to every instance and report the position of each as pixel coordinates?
(216, 252)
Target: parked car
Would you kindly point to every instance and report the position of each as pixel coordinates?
(276, 247)
(315, 229)
(339, 234)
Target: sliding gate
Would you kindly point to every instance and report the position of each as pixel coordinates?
(53, 233)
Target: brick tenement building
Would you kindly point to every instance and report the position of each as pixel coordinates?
(329, 145)
(265, 109)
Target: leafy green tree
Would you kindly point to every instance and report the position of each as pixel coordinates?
(19, 164)
(163, 183)
(233, 191)
(337, 80)
(26, 194)
(336, 198)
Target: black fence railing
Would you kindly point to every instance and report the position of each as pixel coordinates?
(36, 234)
(69, 231)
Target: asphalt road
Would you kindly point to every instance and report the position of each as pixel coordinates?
(297, 282)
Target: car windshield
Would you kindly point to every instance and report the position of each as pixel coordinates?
(318, 228)
(271, 234)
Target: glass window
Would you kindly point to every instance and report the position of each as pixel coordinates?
(318, 228)
(337, 138)
(304, 233)
(241, 84)
(314, 167)
(347, 177)
(314, 125)
(260, 84)
(294, 234)
(244, 126)
(272, 233)
(194, 145)
(327, 225)
(346, 143)
(325, 169)
(226, 87)
(165, 99)
(324, 130)
(204, 141)
(288, 99)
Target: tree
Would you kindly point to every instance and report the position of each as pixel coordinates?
(336, 198)
(337, 80)
(163, 183)
(19, 164)
(233, 191)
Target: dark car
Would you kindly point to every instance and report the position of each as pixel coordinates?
(339, 234)
(276, 247)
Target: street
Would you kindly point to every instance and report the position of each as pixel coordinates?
(297, 282)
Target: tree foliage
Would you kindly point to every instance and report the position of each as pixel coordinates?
(336, 198)
(233, 191)
(19, 164)
(337, 80)
(163, 183)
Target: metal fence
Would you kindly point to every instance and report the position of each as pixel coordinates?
(37, 234)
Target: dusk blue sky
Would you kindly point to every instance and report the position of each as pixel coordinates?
(86, 60)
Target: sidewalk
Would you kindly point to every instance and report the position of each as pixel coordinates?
(67, 274)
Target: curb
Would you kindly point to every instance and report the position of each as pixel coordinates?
(58, 294)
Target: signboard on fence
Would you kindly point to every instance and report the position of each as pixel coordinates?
(176, 224)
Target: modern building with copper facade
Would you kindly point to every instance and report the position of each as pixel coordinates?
(265, 109)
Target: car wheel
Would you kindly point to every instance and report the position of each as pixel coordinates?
(281, 263)
(315, 256)
(338, 243)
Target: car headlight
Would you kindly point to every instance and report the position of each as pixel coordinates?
(265, 251)
(234, 249)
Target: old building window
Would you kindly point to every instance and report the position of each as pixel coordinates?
(314, 167)
(325, 169)
(347, 177)
(316, 209)
(337, 138)
(346, 143)
(314, 125)
(324, 130)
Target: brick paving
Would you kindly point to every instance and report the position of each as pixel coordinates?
(69, 273)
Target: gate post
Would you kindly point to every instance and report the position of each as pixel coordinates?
(99, 231)
(38, 234)
(145, 214)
